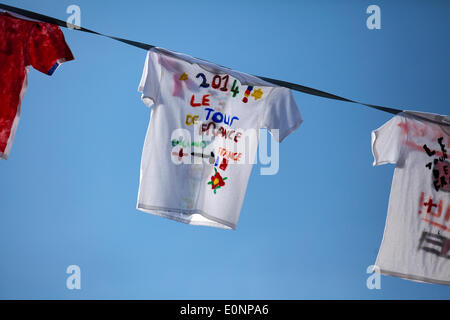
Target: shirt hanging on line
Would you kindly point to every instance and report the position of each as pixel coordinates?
(24, 43)
(202, 137)
(416, 240)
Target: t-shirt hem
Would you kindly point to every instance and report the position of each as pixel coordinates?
(176, 214)
(413, 277)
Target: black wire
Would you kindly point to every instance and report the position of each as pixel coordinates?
(141, 45)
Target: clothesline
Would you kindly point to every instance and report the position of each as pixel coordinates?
(195, 142)
(145, 46)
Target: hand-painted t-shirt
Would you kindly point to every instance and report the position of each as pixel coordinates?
(416, 241)
(24, 43)
(202, 136)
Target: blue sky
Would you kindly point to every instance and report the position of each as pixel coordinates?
(68, 192)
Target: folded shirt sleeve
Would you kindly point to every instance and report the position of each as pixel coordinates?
(46, 48)
(281, 113)
(151, 79)
(387, 141)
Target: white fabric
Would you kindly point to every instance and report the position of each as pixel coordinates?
(416, 241)
(181, 187)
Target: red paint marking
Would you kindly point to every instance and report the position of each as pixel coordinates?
(414, 131)
(436, 224)
(205, 101)
(415, 146)
(193, 104)
(422, 195)
(247, 94)
(180, 154)
(404, 127)
(224, 88)
(224, 164)
(446, 248)
(430, 205)
(418, 130)
(214, 83)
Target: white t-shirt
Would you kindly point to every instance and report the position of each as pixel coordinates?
(416, 241)
(203, 135)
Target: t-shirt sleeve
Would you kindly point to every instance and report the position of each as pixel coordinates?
(281, 113)
(387, 141)
(150, 80)
(47, 48)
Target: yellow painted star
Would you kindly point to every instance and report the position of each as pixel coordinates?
(184, 76)
(257, 94)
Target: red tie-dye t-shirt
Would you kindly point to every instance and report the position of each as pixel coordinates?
(24, 43)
